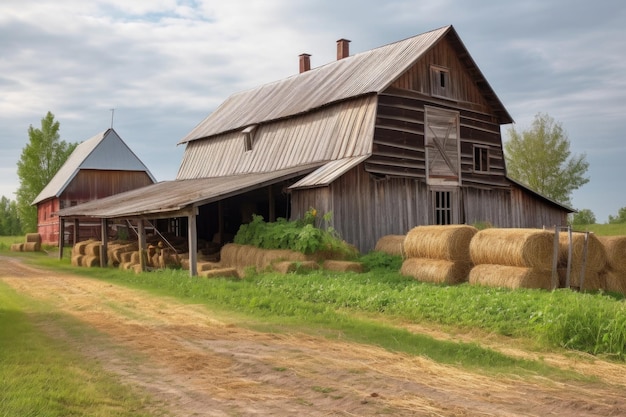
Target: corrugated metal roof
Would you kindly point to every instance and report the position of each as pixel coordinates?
(104, 151)
(169, 197)
(339, 131)
(329, 172)
(367, 72)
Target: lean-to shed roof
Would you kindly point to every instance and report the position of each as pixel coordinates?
(104, 151)
(367, 72)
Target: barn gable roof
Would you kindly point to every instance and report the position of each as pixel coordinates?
(360, 74)
(104, 151)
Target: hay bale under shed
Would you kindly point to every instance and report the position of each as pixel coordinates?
(272, 256)
(31, 247)
(93, 248)
(77, 260)
(450, 242)
(33, 238)
(615, 281)
(596, 254)
(438, 271)
(615, 249)
(79, 247)
(90, 261)
(526, 248)
(391, 245)
(342, 266)
(510, 277)
(229, 254)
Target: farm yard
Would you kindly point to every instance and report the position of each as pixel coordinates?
(325, 342)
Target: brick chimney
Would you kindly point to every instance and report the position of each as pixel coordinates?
(305, 63)
(343, 49)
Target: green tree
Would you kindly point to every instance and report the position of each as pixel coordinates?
(541, 158)
(620, 218)
(583, 217)
(9, 221)
(41, 158)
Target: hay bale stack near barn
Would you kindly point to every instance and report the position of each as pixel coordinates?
(32, 244)
(438, 254)
(614, 274)
(17, 247)
(512, 258)
(593, 263)
(86, 253)
(391, 245)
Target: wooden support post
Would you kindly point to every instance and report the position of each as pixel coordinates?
(61, 236)
(76, 231)
(192, 235)
(105, 244)
(141, 232)
(555, 259)
(569, 257)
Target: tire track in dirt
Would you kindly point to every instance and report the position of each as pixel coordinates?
(198, 365)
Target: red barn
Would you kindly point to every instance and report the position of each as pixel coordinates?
(99, 167)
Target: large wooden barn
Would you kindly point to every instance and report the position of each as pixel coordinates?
(99, 167)
(402, 135)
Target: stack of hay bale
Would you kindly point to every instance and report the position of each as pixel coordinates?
(614, 275)
(592, 263)
(512, 258)
(438, 254)
(86, 253)
(235, 258)
(32, 244)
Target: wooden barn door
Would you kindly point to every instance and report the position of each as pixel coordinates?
(443, 164)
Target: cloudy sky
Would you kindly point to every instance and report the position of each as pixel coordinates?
(163, 65)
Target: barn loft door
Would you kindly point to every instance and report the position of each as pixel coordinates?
(443, 160)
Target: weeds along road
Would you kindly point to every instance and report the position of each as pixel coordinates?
(196, 364)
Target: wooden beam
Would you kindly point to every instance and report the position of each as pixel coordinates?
(141, 232)
(192, 235)
(105, 244)
(61, 236)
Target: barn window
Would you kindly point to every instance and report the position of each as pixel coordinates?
(481, 158)
(248, 137)
(440, 82)
(442, 207)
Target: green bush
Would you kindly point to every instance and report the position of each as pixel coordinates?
(299, 235)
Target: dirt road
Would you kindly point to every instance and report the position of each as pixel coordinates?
(198, 365)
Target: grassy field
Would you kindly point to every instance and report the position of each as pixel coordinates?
(40, 376)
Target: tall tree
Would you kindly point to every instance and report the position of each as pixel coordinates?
(9, 222)
(41, 158)
(584, 217)
(541, 158)
(620, 217)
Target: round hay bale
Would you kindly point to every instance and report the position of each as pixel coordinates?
(615, 281)
(510, 277)
(17, 247)
(527, 248)
(93, 249)
(126, 256)
(439, 271)
(33, 238)
(615, 249)
(77, 260)
(391, 245)
(246, 257)
(135, 257)
(593, 280)
(79, 247)
(90, 261)
(31, 247)
(596, 254)
(450, 242)
(228, 254)
(342, 266)
(287, 267)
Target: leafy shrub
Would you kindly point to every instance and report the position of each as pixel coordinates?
(300, 235)
(381, 260)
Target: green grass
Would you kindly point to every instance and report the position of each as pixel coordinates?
(41, 376)
(603, 229)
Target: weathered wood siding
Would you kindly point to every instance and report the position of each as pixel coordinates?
(47, 223)
(491, 205)
(366, 208)
(527, 210)
(94, 184)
